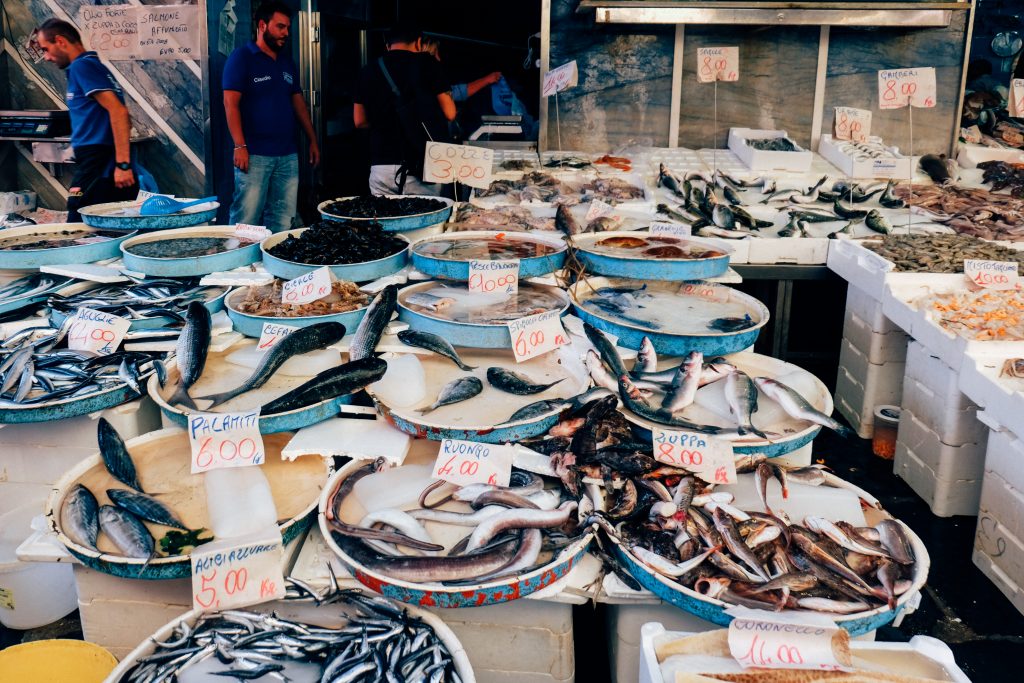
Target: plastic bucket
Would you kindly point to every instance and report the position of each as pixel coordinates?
(32, 594)
(883, 440)
(47, 661)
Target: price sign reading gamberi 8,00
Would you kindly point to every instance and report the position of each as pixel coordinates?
(446, 163)
(225, 440)
(709, 458)
(536, 335)
(96, 331)
(899, 87)
(234, 573)
(469, 462)
(718, 64)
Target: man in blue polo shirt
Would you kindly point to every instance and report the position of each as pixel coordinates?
(100, 124)
(262, 101)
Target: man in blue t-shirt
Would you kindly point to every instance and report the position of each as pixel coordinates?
(100, 124)
(262, 101)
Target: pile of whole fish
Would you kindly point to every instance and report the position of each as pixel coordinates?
(508, 530)
(987, 315)
(378, 642)
(938, 253)
(139, 299)
(969, 211)
(471, 217)
(534, 186)
(34, 285)
(862, 150)
(779, 144)
(34, 371)
(611, 190)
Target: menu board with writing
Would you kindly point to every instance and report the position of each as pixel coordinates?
(110, 30)
(141, 32)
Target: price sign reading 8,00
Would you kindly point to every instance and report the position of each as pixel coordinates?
(446, 163)
(710, 459)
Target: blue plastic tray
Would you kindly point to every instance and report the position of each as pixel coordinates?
(212, 304)
(646, 267)
(252, 325)
(353, 272)
(125, 216)
(33, 259)
(193, 266)
(451, 269)
(397, 223)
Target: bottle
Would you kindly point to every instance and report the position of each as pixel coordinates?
(239, 502)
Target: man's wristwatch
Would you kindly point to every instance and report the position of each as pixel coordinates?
(124, 165)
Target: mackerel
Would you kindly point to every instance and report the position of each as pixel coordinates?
(79, 517)
(191, 349)
(145, 506)
(115, 455)
(127, 532)
(371, 327)
(435, 343)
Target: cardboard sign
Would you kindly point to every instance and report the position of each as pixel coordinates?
(706, 290)
(272, 333)
(710, 459)
(535, 335)
(718, 64)
(96, 331)
(221, 440)
(852, 124)
(110, 30)
(561, 78)
(468, 462)
(234, 573)
(168, 31)
(446, 163)
(1015, 100)
(251, 233)
(899, 87)
(770, 640)
(494, 277)
(992, 274)
(670, 229)
(599, 209)
(308, 287)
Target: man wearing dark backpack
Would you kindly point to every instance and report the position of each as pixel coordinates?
(404, 101)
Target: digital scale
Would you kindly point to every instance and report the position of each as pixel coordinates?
(34, 123)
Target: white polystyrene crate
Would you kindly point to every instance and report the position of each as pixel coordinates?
(1001, 397)
(1006, 585)
(970, 155)
(879, 347)
(944, 497)
(761, 160)
(789, 250)
(897, 166)
(862, 268)
(964, 462)
(952, 424)
(1004, 455)
(994, 537)
(678, 159)
(849, 402)
(1004, 502)
(902, 289)
(869, 309)
(882, 382)
(624, 623)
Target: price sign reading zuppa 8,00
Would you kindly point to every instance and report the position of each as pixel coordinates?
(447, 163)
(709, 458)
(536, 335)
(468, 462)
(225, 440)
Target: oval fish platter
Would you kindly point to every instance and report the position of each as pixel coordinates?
(633, 255)
(395, 223)
(475, 320)
(353, 272)
(67, 243)
(125, 216)
(485, 417)
(214, 302)
(163, 464)
(252, 325)
(714, 610)
(438, 594)
(332, 616)
(189, 265)
(68, 407)
(448, 256)
(220, 374)
(51, 285)
(676, 316)
(786, 434)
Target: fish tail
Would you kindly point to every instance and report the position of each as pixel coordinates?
(146, 564)
(218, 398)
(758, 432)
(181, 397)
(463, 366)
(844, 431)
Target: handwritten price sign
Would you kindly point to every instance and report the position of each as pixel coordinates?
(494, 277)
(774, 643)
(706, 290)
(718, 64)
(304, 289)
(446, 163)
(599, 209)
(535, 335)
(1015, 104)
(670, 230)
(852, 124)
(229, 574)
(272, 333)
(252, 233)
(468, 462)
(899, 87)
(96, 332)
(558, 79)
(709, 458)
(225, 440)
(992, 274)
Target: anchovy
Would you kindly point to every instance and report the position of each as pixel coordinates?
(300, 341)
(435, 343)
(342, 380)
(191, 349)
(461, 389)
(741, 395)
(371, 327)
(145, 506)
(127, 532)
(515, 383)
(79, 517)
(797, 406)
(115, 455)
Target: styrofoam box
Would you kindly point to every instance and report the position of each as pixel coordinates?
(970, 155)
(879, 347)
(846, 398)
(904, 288)
(998, 551)
(791, 250)
(623, 634)
(951, 424)
(862, 268)
(963, 462)
(42, 452)
(945, 498)
(1005, 503)
(860, 303)
(724, 160)
(882, 382)
(1005, 456)
(856, 401)
(1001, 397)
(1006, 585)
(919, 459)
(886, 167)
(760, 160)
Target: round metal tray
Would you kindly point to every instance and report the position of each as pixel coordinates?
(192, 266)
(32, 259)
(353, 272)
(395, 223)
(454, 269)
(648, 268)
(125, 216)
(213, 305)
(252, 325)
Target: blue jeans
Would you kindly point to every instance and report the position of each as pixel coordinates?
(268, 193)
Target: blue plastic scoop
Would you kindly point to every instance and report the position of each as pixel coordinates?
(164, 206)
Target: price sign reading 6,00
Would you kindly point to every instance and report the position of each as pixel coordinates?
(446, 163)
(468, 462)
(709, 458)
(536, 334)
(225, 440)
(229, 574)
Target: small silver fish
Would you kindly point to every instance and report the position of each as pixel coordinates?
(127, 532)
(456, 391)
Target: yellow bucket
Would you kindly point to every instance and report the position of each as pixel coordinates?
(48, 661)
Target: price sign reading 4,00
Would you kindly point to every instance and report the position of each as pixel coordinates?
(306, 288)
(709, 458)
(225, 440)
(992, 274)
(446, 163)
(899, 87)
(468, 462)
(536, 335)
(230, 574)
(96, 331)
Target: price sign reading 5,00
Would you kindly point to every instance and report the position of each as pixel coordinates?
(536, 335)
(225, 440)
(231, 574)
(468, 462)
(446, 163)
(710, 459)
